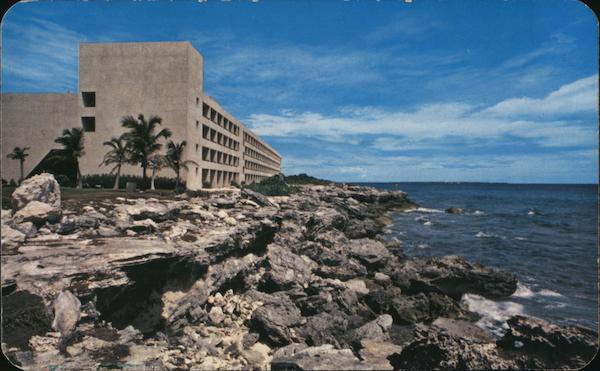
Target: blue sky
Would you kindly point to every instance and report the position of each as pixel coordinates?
(497, 91)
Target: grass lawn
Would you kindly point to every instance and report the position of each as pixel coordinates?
(92, 194)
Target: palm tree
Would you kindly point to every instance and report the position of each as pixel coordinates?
(175, 161)
(20, 154)
(117, 155)
(72, 142)
(142, 142)
(156, 162)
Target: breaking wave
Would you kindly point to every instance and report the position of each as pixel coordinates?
(493, 313)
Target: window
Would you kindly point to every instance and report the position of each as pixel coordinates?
(89, 98)
(88, 123)
(196, 147)
(197, 101)
(197, 124)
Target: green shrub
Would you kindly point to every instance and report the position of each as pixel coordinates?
(273, 186)
(305, 179)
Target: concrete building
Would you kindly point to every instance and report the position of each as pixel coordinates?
(120, 79)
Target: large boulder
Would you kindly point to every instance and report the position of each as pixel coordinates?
(371, 253)
(42, 188)
(37, 200)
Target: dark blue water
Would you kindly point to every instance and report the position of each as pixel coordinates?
(546, 234)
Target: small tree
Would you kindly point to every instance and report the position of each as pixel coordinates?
(20, 154)
(142, 141)
(156, 162)
(175, 159)
(117, 156)
(72, 142)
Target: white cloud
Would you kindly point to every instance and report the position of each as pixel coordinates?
(578, 96)
(434, 122)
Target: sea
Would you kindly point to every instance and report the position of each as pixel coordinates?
(546, 234)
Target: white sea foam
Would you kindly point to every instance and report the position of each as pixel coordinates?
(493, 313)
(423, 246)
(523, 291)
(478, 212)
(555, 306)
(427, 223)
(484, 235)
(545, 292)
(423, 210)
(521, 238)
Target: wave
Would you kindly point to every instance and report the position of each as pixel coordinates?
(555, 306)
(427, 223)
(493, 314)
(521, 238)
(523, 291)
(545, 292)
(423, 210)
(533, 212)
(485, 235)
(423, 246)
(478, 212)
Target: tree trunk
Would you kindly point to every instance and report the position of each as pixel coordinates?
(144, 176)
(21, 163)
(152, 179)
(79, 180)
(116, 186)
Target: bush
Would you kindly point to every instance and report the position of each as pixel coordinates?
(4, 182)
(206, 184)
(273, 186)
(108, 181)
(305, 179)
(12, 183)
(235, 184)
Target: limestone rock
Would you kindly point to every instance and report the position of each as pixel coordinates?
(66, 312)
(42, 188)
(37, 213)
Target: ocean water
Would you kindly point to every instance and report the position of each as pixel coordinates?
(546, 234)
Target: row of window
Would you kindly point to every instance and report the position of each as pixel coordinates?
(219, 157)
(250, 165)
(259, 156)
(222, 139)
(217, 118)
(250, 139)
(218, 178)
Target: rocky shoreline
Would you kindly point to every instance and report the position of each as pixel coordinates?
(239, 280)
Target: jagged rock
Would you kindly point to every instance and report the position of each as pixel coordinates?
(376, 353)
(423, 307)
(27, 228)
(224, 203)
(259, 198)
(274, 321)
(380, 301)
(325, 328)
(382, 278)
(435, 348)
(42, 188)
(374, 330)
(541, 343)
(216, 315)
(38, 213)
(366, 228)
(371, 253)
(11, 238)
(324, 219)
(324, 357)
(146, 209)
(286, 269)
(453, 276)
(66, 312)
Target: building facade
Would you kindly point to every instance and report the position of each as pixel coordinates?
(125, 79)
